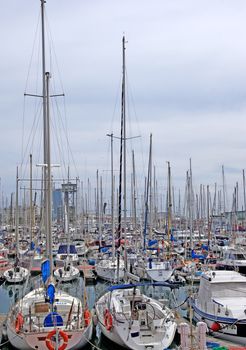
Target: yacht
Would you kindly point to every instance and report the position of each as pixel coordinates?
(221, 304)
(233, 258)
(132, 320)
(34, 321)
(46, 317)
(107, 269)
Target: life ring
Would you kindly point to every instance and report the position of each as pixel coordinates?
(108, 320)
(87, 317)
(19, 322)
(51, 334)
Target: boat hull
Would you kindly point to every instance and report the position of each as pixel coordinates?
(109, 273)
(36, 340)
(136, 330)
(231, 331)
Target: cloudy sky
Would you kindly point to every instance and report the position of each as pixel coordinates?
(186, 78)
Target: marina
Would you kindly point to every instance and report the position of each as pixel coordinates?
(126, 254)
(11, 293)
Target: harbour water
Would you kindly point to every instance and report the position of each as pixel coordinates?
(9, 294)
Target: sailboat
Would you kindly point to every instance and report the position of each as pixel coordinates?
(17, 273)
(47, 317)
(68, 272)
(34, 256)
(133, 320)
(127, 316)
(111, 269)
(220, 302)
(162, 270)
(158, 269)
(67, 253)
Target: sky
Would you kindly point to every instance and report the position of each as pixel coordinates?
(186, 84)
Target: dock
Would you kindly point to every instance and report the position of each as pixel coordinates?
(35, 271)
(222, 343)
(88, 273)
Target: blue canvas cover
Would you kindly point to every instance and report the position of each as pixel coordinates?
(53, 319)
(104, 249)
(51, 293)
(63, 249)
(45, 270)
(152, 242)
(172, 285)
(197, 256)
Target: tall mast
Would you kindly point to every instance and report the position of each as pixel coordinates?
(134, 209)
(45, 156)
(150, 194)
(124, 138)
(244, 197)
(224, 195)
(44, 80)
(147, 193)
(208, 215)
(49, 189)
(17, 215)
(31, 213)
(169, 222)
(112, 198)
(122, 156)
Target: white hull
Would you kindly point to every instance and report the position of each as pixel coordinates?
(148, 326)
(154, 271)
(228, 333)
(220, 303)
(63, 275)
(37, 321)
(30, 341)
(159, 274)
(61, 259)
(107, 270)
(16, 275)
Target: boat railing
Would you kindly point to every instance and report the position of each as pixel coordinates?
(32, 322)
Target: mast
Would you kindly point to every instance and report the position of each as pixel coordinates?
(67, 216)
(147, 193)
(112, 198)
(124, 141)
(150, 194)
(190, 205)
(169, 221)
(17, 216)
(154, 221)
(122, 157)
(1, 207)
(208, 215)
(224, 195)
(31, 213)
(44, 94)
(244, 197)
(134, 209)
(49, 189)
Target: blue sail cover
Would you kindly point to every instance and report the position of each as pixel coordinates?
(152, 242)
(197, 256)
(172, 285)
(53, 319)
(173, 239)
(51, 293)
(45, 270)
(63, 249)
(104, 249)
